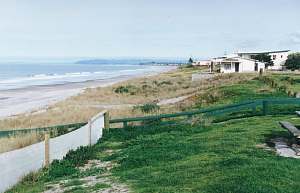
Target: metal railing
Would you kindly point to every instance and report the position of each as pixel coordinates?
(255, 107)
(7, 133)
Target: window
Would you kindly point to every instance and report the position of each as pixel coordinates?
(227, 66)
(274, 57)
(281, 56)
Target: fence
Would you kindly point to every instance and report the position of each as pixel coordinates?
(18, 163)
(7, 133)
(243, 109)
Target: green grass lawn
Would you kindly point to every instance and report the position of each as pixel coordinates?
(219, 158)
(289, 81)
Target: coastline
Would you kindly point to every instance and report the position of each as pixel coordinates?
(37, 98)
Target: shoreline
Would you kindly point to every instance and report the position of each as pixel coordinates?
(37, 98)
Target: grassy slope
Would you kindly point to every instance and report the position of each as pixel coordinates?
(288, 80)
(218, 158)
(235, 93)
(221, 157)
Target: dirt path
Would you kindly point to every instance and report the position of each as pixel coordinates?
(95, 176)
(120, 106)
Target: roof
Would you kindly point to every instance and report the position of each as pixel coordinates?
(235, 59)
(278, 51)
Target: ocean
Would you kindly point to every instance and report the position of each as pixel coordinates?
(22, 74)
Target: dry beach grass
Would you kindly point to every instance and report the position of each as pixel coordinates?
(150, 89)
(16, 142)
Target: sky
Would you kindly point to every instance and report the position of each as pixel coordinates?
(146, 28)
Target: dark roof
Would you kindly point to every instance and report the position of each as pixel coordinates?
(278, 51)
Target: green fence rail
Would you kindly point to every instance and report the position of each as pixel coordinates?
(255, 107)
(7, 133)
(270, 106)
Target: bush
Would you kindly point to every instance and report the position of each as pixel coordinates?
(80, 156)
(126, 89)
(67, 166)
(147, 108)
(60, 169)
(293, 61)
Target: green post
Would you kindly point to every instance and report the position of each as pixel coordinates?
(254, 110)
(125, 124)
(106, 120)
(265, 107)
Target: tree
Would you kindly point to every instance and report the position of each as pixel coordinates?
(265, 58)
(293, 61)
(191, 61)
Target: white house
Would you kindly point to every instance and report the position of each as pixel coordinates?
(278, 57)
(238, 64)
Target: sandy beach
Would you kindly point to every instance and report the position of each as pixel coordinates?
(37, 98)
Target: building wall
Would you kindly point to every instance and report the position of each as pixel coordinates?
(278, 59)
(202, 63)
(223, 68)
(247, 66)
(244, 66)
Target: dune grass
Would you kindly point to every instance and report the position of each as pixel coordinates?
(150, 89)
(144, 92)
(19, 141)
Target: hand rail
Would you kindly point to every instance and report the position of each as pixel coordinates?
(264, 103)
(5, 133)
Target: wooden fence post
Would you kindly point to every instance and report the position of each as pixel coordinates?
(47, 150)
(90, 132)
(261, 72)
(265, 107)
(106, 120)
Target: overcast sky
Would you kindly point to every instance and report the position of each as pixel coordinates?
(158, 28)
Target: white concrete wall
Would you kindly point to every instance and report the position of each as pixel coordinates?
(247, 66)
(261, 65)
(18, 163)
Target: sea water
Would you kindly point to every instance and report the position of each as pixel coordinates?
(22, 74)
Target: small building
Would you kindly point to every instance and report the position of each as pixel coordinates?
(238, 64)
(278, 57)
(202, 63)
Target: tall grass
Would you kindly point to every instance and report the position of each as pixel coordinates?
(146, 90)
(19, 141)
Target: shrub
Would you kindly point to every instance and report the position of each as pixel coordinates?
(147, 108)
(60, 169)
(80, 156)
(67, 166)
(293, 61)
(126, 89)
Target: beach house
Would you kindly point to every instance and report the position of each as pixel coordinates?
(278, 57)
(229, 64)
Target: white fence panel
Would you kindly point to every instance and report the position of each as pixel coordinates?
(97, 125)
(16, 164)
(61, 145)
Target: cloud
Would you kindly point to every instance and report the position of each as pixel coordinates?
(295, 37)
(292, 39)
(248, 44)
